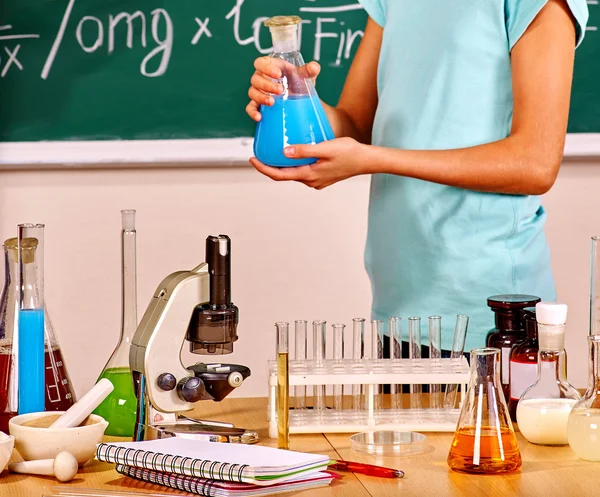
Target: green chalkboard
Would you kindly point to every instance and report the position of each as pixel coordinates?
(151, 69)
(177, 69)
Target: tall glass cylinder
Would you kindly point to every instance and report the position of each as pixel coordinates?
(396, 357)
(283, 388)
(458, 348)
(31, 318)
(435, 355)
(300, 357)
(319, 335)
(358, 353)
(595, 287)
(338, 360)
(119, 408)
(414, 339)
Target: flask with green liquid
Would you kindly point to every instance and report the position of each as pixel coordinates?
(119, 408)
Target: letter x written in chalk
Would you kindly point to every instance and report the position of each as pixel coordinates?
(203, 29)
(12, 59)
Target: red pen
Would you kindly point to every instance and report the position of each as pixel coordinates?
(366, 469)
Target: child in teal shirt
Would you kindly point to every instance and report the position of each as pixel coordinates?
(459, 112)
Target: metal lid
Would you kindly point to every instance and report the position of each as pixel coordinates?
(514, 301)
(281, 21)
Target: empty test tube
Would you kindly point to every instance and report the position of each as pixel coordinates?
(358, 352)
(376, 356)
(414, 340)
(396, 356)
(283, 382)
(300, 356)
(338, 359)
(458, 348)
(435, 354)
(319, 335)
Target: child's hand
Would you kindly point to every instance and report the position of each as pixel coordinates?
(338, 160)
(265, 85)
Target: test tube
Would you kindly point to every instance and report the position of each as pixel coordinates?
(338, 360)
(358, 350)
(414, 340)
(458, 348)
(376, 356)
(396, 356)
(435, 354)
(283, 382)
(319, 334)
(300, 355)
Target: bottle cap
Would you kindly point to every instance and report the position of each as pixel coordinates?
(279, 21)
(551, 313)
(515, 301)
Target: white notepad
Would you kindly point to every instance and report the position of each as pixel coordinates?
(220, 461)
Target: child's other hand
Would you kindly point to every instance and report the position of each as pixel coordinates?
(264, 82)
(338, 160)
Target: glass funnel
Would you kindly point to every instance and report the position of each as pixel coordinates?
(583, 429)
(120, 407)
(543, 409)
(484, 441)
(59, 394)
(297, 116)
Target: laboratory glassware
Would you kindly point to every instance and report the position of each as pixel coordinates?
(543, 409)
(583, 429)
(300, 327)
(376, 358)
(396, 356)
(319, 335)
(338, 362)
(283, 386)
(59, 395)
(119, 408)
(595, 287)
(523, 362)
(484, 441)
(458, 350)
(435, 354)
(414, 341)
(297, 116)
(510, 329)
(358, 353)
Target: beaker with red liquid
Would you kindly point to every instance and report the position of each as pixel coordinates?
(59, 394)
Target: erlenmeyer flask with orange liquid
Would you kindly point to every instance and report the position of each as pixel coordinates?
(484, 441)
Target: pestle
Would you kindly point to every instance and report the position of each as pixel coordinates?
(64, 467)
(84, 406)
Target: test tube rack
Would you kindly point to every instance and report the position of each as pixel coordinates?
(370, 373)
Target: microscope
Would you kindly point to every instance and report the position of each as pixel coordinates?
(193, 306)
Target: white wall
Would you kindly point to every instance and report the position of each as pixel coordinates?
(297, 253)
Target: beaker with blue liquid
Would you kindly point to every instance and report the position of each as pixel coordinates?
(297, 116)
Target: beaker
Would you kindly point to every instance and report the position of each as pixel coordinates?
(543, 409)
(59, 395)
(484, 441)
(120, 407)
(297, 116)
(583, 429)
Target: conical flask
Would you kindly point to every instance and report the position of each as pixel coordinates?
(28, 283)
(484, 441)
(297, 116)
(119, 408)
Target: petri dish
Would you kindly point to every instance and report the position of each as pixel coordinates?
(389, 443)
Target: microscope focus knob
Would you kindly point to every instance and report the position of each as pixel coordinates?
(166, 382)
(235, 379)
(191, 389)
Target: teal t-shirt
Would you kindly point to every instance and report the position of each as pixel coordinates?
(444, 82)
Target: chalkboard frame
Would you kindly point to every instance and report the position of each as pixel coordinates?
(177, 153)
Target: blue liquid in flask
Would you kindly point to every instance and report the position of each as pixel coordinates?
(32, 395)
(291, 120)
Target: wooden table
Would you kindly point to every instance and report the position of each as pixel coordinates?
(546, 472)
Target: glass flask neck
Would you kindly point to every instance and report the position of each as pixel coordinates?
(595, 287)
(594, 364)
(285, 39)
(551, 367)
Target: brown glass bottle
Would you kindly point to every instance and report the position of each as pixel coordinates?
(523, 362)
(510, 329)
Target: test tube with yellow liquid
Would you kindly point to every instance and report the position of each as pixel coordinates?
(283, 386)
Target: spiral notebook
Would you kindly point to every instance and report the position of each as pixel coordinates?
(217, 461)
(216, 488)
